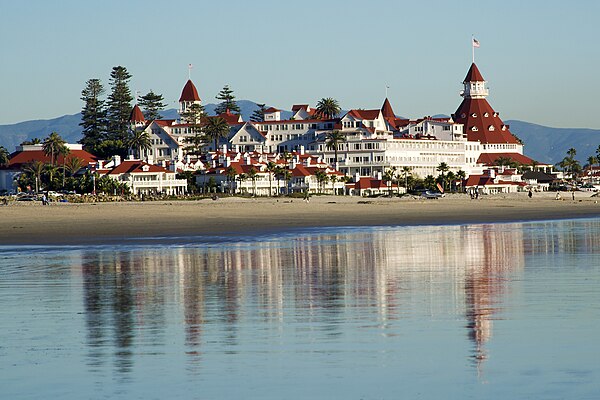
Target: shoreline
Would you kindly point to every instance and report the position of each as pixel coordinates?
(124, 222)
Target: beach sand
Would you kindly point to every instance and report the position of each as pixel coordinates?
(119, 222)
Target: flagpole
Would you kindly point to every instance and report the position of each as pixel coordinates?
(473, 47)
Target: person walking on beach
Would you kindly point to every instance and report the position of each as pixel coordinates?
(530, 194)
(557, 196)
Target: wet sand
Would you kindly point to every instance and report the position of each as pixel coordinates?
(120, 222)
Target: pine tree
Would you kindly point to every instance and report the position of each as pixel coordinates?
(93, 115)
(152, 104)
(259, 114)
(227, 101)
(119, 109)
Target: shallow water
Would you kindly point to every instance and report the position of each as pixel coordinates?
(479, 311)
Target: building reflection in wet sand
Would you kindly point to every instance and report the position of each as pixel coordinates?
(392, 274)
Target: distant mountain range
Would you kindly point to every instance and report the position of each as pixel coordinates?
(542, 143)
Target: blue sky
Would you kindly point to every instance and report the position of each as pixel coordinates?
(540, 57)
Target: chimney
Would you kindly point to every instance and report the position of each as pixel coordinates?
(356, 177)
(117, 160)
(224, 149)
(293, 164)
(307, 161)
(248, 160)
(100, 164)
(301, 150)
(227, 163)
(379, 176)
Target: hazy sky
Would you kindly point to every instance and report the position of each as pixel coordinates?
(540, 58)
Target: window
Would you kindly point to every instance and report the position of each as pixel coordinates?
(474, 115)
(474, 129)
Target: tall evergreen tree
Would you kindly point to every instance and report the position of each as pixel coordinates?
(93, 115)
(119, 108)
(227, 101)
(152, 104)
(259, 114)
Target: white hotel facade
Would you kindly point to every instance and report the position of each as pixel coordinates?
(376, 139)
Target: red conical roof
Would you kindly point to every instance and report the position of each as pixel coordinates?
(474, 75)
(137, 115)
(482, 123)
(387, 110)
(189, 92)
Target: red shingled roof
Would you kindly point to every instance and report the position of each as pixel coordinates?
(365, 114)
(474, 75)
(490, 158)
(387, 110)
(137, 115)
(20, 158)
(230, 118)
(472, 113)
(189, 92)
(371, 183)
(271, 110)
(135, 166)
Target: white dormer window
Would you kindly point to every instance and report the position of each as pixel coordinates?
(146, 168)
(491, 128)
(474, 115)
(474, 129)
(496, 114)
(503, 127)
(486, 114)
(463, 115)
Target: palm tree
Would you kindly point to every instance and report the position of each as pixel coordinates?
(4, 156)
(332, 140)
(429, 182)
(36, 169)
(333, 179)
(73, 165)
(241, 178)
(328, 107)
(451, 178)
(252, 175)
(271, 168)
(31, 141)
(322, 178)
(215, 129)
(287, 176)
(231, 173)
(388, 177)
(406, 172)
(442, 169)
(140, 141)
(52, 145)
(64, 152)
(462, 175)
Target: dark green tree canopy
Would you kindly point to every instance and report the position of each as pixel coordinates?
(328, 108)
(259, 114)
(93, 115)
(119, 106)
(152, 104)
(227, 101)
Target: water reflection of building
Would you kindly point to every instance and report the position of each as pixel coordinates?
(461, 271)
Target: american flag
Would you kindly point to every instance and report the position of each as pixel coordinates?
(441, 189)
(475, 42)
